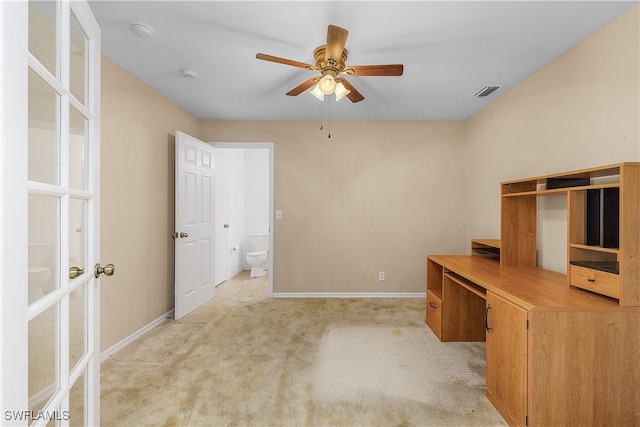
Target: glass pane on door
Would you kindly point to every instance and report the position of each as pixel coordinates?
(44, 245)
(43, 343)
(78, 234)
(77, 326)
(76, 402)
(44, 146)
(77, 150)
(77, 57)
(42, 33)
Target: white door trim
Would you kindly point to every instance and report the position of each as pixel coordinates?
(221, 230)
(270, 147)
(13, 206)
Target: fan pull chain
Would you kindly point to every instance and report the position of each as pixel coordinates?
(321, 127)
(329, 115)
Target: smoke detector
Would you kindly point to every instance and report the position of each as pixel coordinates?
(188, 73)
(143, 30)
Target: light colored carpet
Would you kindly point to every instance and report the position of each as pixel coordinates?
(297, 362)
(365, 363)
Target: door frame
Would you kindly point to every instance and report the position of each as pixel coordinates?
(270, 147)
(13, 203)
(225, 232)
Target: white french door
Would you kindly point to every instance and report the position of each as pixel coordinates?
(194, 232)
(50, 298)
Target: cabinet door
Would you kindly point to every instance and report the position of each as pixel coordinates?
(507, 358)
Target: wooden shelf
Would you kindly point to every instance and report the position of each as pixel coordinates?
(560, 191)
(596, 172)
(492, 243)
(470, 286)
(489, 248)
(595, 248)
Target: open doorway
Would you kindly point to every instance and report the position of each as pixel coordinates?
(249, 203)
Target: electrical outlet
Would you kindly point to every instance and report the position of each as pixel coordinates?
(278, 214)
(380, 275)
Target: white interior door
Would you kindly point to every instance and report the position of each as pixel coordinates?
(221, 226)
(49, 322)
(194, 233)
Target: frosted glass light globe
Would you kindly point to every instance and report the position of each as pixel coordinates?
(327, 84)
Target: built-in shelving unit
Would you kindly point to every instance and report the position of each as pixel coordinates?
(600, 268)
(560, 349)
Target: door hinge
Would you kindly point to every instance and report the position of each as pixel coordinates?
(527, 323)
(526, 418)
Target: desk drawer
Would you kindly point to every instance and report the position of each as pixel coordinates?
(596, 281)
(434, 314)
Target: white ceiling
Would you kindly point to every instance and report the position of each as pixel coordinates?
(449, 49)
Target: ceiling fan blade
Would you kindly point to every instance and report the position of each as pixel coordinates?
(354, 96)
(302, 87)
(376, 70)
(284, 61)
(336, 39)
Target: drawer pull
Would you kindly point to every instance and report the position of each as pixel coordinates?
(432, 306)
(591, 280)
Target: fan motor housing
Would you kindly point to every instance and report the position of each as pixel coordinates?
(329, 66)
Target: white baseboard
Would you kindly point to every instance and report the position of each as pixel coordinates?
(349, 295)
(134, 336)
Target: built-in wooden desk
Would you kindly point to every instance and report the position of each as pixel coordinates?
(556, 355)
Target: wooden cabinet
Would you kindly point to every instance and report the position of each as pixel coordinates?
(434, 298)
(507, 358)
(556, 355)
(453, 306)
(434, 314)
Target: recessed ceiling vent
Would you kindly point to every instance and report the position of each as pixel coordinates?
(486, 91)
(188, 73)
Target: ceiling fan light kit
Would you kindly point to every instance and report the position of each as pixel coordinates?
(327, 84)
(317, 92)
(330, 62)
(341, 91)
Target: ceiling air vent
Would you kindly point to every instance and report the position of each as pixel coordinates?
(486, 91)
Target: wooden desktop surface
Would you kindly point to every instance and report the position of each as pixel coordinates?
(528, 287)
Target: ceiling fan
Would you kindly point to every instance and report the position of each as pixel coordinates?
(331, 61)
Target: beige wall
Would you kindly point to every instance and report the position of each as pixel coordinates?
(138, 126)
(377, 196)
(579, 111)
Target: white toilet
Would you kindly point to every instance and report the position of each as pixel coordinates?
(259, 253)
(39, 272)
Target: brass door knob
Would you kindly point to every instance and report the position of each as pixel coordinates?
(75, 272)
(183, 234)
(108, 270)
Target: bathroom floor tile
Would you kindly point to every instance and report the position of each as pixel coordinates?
(241, 285)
